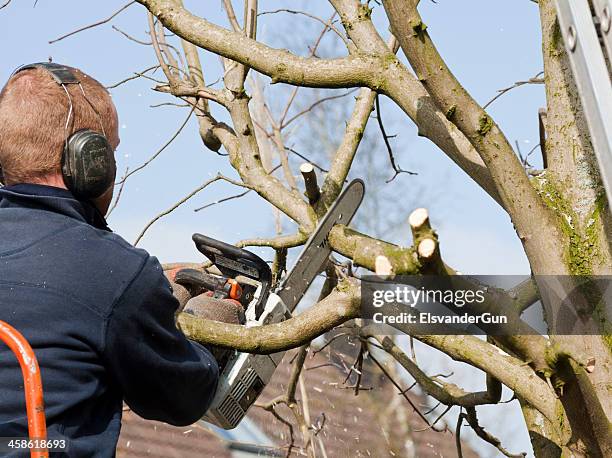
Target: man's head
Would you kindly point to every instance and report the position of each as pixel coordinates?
(34, 110)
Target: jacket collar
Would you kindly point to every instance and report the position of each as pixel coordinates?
(52, 199)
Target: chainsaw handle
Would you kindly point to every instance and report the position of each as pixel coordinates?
(233, 261)
(196, 277)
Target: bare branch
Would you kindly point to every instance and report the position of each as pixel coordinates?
(120, 192)
(341, 305)
(95, 24)
(524, 205)
(174, 207)
(231, 15)
(458, 433)
(332, 73)
(362, 69)
(447, 393)
(404, 395)
(172, 78)
(224, 199)
(472, 420)
(278, 242)
(327, 24)
(182, 201)
(533, 80)
(397, 169)
(130, 78)
(314, 105)
(159, 151)
(301, 156)
(131, 38)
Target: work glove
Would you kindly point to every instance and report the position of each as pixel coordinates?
(210, 308)
(202, 304)
(182, 292)
(224, 310)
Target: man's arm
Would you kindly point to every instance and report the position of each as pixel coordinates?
(163, 376)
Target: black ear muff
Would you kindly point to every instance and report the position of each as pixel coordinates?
(88, 164)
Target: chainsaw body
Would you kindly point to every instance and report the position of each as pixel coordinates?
(246, 278)
(245, 375)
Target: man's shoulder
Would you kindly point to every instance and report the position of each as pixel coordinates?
(91, 265)
(113, 261)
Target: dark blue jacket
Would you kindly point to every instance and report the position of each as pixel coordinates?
(99, 315)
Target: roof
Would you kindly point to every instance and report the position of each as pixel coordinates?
(378, 422)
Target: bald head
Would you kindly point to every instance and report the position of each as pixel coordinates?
(33, 114)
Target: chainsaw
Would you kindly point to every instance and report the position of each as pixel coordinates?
(246, 278)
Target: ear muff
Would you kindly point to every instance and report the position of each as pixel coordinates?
(88, 160)
(88, 164)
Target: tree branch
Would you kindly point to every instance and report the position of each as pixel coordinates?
(281, 65)
(527, 210)
(90, 26)
(341, 305)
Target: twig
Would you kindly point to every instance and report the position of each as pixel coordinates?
(170, 104)
(458, 433)
(396, 168)
(301, 156)
(437, 419)
(298, 364)
(130, 37)
(313, 52)
(329, 342)
(118, 194)
(314, 105)
(328, 25)
(96, 24)
(172, 79)
(534, 80)
(220, 201)
(427, 412)
(359, 368)
(176, 205)
(472, 420)
(136, 75)
(525, 159)
(225, 199)
(280, 241)
(231, 15)
(405, 396)
(159, 151)
(5, 4)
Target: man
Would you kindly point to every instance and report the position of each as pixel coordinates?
(98, 312)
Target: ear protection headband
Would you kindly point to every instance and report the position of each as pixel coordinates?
(88, 161)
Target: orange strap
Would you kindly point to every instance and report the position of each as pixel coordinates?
(35, 407)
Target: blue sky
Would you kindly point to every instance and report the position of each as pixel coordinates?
(488, 45)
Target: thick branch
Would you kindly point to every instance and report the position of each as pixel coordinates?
(381, 73)
(340, 306)
(527, 210)
(447, 393)
(409, 93)
(281, 65)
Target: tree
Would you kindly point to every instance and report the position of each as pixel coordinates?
(560, 214)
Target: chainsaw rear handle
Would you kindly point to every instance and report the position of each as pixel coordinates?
(196, 277)
(233, 262)
(222, 288)
(32, 383)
